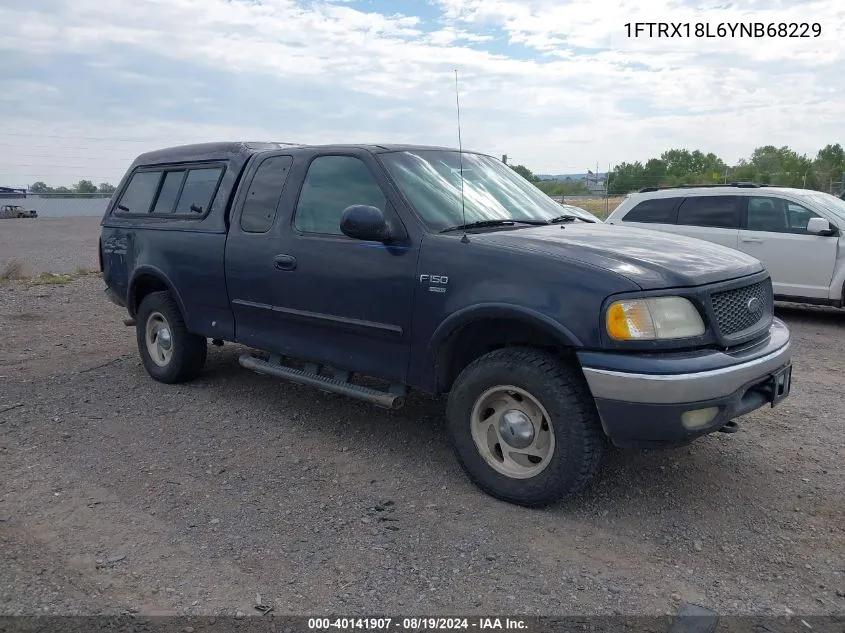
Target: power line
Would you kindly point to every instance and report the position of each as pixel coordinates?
(91, 148)
(94, 138)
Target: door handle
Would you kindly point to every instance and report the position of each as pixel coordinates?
(284, 262)
(752, 240)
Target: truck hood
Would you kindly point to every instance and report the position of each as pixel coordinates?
(651, 259)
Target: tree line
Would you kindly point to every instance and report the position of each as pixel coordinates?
(767, 165)
(82, 189)
(553, 187)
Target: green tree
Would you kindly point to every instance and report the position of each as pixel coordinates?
(829, 165)
(655, 173)
(526, 173)
(566, 187)
(696, 167)
(39, 188)
(784, 167)
(85, 187)
(743, 171)
(626, 177)
(105, 187)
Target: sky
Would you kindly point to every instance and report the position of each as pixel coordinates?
(557, 85)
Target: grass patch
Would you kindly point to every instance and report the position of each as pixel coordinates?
(52, 279)
(16, 270)
(601, 207)
(82, 271)
(13, 270)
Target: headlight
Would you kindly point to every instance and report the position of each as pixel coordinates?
(653, 318)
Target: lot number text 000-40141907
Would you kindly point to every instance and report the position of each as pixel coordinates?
(725, 30)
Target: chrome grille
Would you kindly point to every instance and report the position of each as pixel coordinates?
(740, 309)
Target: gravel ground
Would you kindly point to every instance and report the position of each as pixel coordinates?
(54, 245)
(122, 494)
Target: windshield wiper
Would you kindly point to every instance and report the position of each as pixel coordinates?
(480, 224)
(568, 217)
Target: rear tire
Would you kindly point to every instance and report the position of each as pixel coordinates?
(169, 352)
(524, 426)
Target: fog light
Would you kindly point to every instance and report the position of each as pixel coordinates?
(697, 418)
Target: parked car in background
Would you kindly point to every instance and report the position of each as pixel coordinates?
(796, 233)
(16, 211)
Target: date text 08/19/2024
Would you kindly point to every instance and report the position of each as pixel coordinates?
(417, 623)
(723, 30)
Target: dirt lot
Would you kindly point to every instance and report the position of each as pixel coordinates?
(120, 494)
(56, 245)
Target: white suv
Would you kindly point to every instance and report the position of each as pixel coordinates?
(796, 233)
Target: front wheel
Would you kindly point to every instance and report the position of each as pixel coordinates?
(524, 426)
(169, 352)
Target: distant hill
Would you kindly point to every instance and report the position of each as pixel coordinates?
(583, 176)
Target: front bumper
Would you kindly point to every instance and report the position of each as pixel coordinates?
(670, 399)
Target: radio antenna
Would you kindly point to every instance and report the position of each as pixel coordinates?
(465, 238)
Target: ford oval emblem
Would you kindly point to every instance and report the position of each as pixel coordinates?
(753, 305)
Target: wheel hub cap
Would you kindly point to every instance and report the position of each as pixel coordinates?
(163, 338)
(512, 431)
(159, 339)
(516, 429)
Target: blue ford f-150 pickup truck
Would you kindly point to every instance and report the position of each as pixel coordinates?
(443, 271)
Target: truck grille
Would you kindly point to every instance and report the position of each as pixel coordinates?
(740, 309)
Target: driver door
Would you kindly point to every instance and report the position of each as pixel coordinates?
(343, 301)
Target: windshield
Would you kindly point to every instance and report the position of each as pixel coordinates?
(431, 181)
(831, 203)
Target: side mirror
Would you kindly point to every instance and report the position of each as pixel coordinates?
(820, 226)
(363, 222)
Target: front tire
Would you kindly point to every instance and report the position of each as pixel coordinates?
(524, 427)
(169, 352)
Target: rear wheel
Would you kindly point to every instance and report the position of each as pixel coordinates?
(169, 352)
(524, 426)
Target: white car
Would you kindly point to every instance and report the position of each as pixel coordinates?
(796, 233)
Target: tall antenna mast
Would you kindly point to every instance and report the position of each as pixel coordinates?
(465, 238)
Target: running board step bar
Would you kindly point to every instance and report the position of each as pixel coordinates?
(313, 379)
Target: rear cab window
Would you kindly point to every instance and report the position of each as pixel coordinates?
(186, 191)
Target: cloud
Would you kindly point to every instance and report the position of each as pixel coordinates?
(556, 85)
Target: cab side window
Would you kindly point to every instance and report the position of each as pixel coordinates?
(720, 212)
(776, 215)
(176, 192)
(331, 185)
(265, 191)
(198, 190)
(656, 210)
(139, 193)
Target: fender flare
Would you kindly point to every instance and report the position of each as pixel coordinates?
(152, 271)
(492, 310)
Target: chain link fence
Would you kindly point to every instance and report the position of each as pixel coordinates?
(61, 205)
